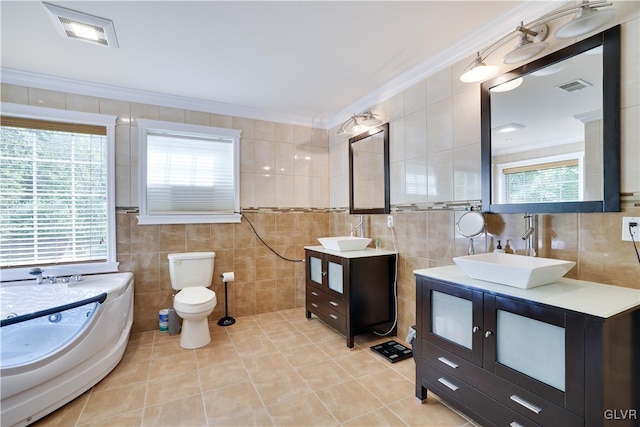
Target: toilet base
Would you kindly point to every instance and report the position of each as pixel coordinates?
(195, 333)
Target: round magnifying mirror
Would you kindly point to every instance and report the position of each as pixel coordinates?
(471, 224)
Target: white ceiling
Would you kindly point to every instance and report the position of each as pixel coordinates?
(294, 61)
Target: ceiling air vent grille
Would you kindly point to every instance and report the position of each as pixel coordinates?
(574, 85)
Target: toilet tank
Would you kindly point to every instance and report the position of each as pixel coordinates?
(191, 269)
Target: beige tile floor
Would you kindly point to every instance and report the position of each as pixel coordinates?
(274, 369)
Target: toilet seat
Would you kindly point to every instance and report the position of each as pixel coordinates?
(194, 299)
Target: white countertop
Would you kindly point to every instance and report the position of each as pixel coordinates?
(367, 252)
(592, 298)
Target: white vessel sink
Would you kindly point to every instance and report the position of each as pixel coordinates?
(513, 270)
(344, 243)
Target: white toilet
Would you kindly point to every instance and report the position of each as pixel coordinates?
(191, 274)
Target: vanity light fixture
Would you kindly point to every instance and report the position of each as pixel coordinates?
(81, 26)
(356, 123)
(588, 18)
(527, 48)
(478, 70)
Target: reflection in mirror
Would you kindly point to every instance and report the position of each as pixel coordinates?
(550, 132)
(548, 148)
(369, 171)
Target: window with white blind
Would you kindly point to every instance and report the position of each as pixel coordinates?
(188, 173)
(543, 182)
(56, 192)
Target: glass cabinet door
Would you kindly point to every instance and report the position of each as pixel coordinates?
(536, 347)
(315, 269)
(455, 322)
(538, 353)
(452, 318)
(335, 280)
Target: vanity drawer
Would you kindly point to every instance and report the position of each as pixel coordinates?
(319, 305)
(491, 412)
(450, 363)
(336, 320)
(322, 298)
(529, 404)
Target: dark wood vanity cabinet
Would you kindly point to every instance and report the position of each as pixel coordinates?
(351, 294)
(509, 361)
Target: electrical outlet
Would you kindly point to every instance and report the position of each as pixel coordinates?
(635, 230)
(389, 221)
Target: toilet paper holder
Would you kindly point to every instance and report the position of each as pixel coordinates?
(226, 320)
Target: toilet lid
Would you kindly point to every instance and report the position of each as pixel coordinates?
(195, 295)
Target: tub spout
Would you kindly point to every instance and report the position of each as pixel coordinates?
(38, 273)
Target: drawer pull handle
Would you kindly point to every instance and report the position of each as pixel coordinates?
(488, 334)
(333, 303)
(333, 316)
(315, 294)
(448, 362)
(448, 384)
(515, 424)
(529, 406)
(314, 304)
(476, 329)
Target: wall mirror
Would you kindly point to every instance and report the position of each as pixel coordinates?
(551, 132)
(369, 172)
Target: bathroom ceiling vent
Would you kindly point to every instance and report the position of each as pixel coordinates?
(81, 26)
(574, 85)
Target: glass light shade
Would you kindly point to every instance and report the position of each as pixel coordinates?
(585, 21)
(478, 73)
(524, 52)
(372, 122)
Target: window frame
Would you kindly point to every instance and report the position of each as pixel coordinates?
(69, 116)
(144, 218)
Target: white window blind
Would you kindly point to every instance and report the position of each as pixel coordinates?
(53, 193)
(188, 174)
(552, 181)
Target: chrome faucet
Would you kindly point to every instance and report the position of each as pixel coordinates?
(360, 227)
(38, 273)
(529, 236)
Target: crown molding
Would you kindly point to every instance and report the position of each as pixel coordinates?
(489, 33)
(42, 81)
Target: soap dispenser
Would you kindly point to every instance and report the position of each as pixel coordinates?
(498, 249)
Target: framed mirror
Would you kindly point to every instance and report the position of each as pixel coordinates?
(551, 132)
(369, 191)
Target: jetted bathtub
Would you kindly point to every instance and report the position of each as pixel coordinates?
(59, 340)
